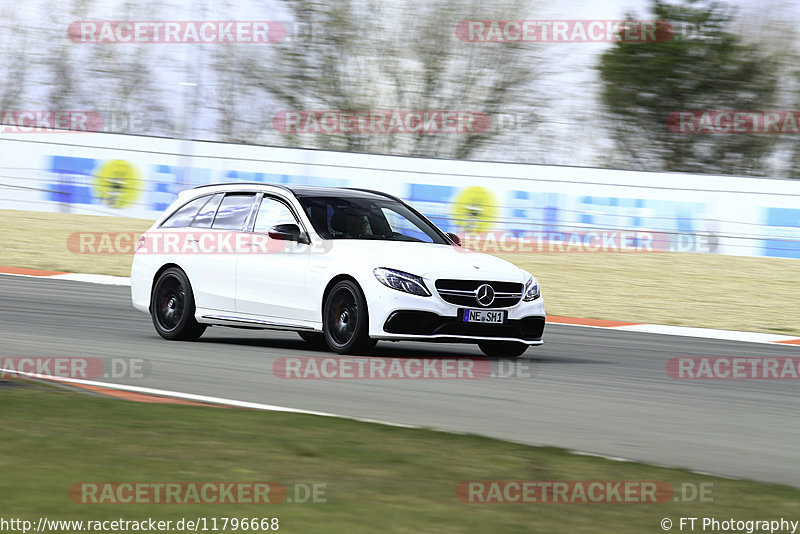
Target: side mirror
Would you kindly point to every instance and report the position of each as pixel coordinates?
(454, 238)
(288, 232)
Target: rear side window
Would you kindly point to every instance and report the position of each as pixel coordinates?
(184, 216)
(233, 211)
(206, 214)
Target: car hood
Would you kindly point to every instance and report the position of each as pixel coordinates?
(427, 260)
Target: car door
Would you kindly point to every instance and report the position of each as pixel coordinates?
(213, 264)
(271, 278)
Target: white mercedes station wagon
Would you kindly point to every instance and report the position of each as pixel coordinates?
(342, 267)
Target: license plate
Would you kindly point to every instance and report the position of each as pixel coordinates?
(483, 316)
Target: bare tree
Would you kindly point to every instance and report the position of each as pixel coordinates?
(61, 61)
(14, 43)
(240, 110)
(371, 55)
(118, 80)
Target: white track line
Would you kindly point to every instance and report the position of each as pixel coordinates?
(102, 279)
(205, 399)
(689, 331)
(93, 279)
(709, 333)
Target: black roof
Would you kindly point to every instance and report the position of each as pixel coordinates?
(346, 192)
(315, 190)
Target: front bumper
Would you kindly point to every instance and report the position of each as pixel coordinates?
(394, 315)
(412, 324)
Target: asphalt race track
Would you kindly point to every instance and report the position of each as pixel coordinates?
(593, 390)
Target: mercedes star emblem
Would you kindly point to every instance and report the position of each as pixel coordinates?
(485, 295)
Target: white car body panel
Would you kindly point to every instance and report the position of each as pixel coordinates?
(275, 282)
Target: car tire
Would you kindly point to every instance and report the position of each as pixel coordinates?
(172, 307)
(345, 321)
(503, 349)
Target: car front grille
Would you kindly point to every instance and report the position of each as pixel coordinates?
(465, 292)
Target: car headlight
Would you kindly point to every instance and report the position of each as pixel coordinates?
(407, 283)
(532, 291)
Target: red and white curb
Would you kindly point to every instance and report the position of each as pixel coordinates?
(59, 275)
(686, 331)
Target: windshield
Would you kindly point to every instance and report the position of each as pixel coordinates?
(368, 218)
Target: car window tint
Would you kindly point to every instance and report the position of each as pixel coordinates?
(399, 224)
(353, 217)
(233, 211)
(206, 214)
(272, 213)
(183, 217)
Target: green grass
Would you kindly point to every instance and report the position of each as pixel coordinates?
(726, 292)
(379, 478)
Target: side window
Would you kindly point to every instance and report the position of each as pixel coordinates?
(233, 211)
(272, 213)
(183, 217)
(206, 214)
